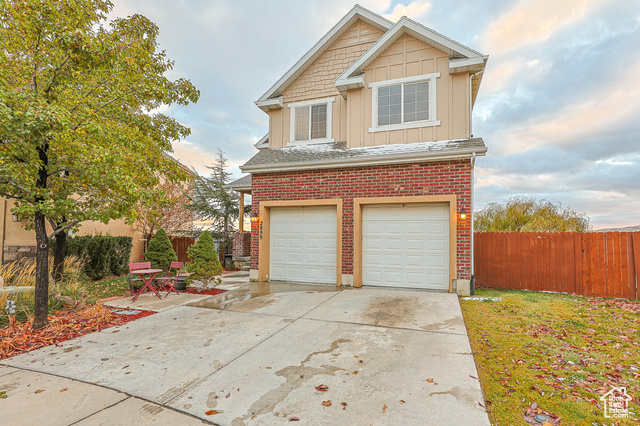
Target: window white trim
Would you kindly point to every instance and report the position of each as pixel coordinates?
(433, 114)
(292, 121)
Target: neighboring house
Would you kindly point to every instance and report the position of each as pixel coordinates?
(366, 174)
(16, 243)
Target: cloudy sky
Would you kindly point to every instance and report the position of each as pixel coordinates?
(559, 105)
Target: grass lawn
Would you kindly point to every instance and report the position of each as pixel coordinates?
(561, 351)
(108, 287)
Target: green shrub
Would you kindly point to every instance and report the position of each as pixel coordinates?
(102, 255)
(160, 252)
(204, 264)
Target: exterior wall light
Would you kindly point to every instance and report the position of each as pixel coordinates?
(463, 215)
(15, 217)
(255, 218)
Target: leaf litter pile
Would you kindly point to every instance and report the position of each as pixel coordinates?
(554, 356)
(63, 325)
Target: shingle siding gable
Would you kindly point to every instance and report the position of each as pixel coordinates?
(320, 78)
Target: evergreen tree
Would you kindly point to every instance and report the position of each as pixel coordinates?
(212, 201)
(204, 264)
(160, 252)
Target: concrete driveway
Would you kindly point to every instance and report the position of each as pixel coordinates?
(255, 355)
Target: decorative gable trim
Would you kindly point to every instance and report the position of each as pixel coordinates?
(463, 59)
(263, 142)
(358, 12)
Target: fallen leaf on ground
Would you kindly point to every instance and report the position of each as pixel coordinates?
(63, 390)
(384, 408)
(294, 419)
(322, 388)
(228, 395)
(39, 391)
(355, 372)
(430, 380)
(402, 401)
(211, 412)
(326, 403)
(187, 406)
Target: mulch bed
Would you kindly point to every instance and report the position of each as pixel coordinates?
(63, 325)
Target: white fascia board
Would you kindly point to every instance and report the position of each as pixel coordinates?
(344, 84)
(269, 104)
(368, 161)
(320, 47)
(262, 143)
(416, 30)
(467, 64)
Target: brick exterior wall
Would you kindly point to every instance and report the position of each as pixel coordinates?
(439, 178)
(241, 244)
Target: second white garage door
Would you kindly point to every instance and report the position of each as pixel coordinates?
(406, 245)
(303, 244)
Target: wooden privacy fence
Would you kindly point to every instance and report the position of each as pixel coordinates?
(590, 263)
(180, 246)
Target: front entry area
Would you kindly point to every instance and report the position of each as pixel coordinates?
(303, 244)
(406, 245)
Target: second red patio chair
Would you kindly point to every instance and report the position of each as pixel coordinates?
(169, 280)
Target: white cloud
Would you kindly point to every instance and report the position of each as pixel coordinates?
(413, 10)
(534, 21)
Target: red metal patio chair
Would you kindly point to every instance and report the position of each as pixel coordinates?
(136, 266)
(169, 280)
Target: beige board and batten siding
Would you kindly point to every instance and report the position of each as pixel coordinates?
(409, 57)
(319, 81)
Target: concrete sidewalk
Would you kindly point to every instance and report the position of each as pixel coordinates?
(40, 398)
(255, 355)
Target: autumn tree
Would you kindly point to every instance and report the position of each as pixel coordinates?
(212, 201)
(166, 208)
(80, 135)
(526, 214)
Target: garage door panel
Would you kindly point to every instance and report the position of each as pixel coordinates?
(303, 244)
(393, 243)
(406, 245)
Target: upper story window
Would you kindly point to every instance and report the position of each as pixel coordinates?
(311, 121)
(404, 103)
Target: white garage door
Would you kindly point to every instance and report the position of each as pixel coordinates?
(406, 245)
(303, 244)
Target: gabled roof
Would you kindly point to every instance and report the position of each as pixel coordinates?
(263, 142)
(271, 99)
(463, 59)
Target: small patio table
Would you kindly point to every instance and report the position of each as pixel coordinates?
(151, 274)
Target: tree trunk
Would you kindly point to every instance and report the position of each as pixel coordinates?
(41, 305)
(58, 257)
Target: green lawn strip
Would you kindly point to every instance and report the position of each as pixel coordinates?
(562, 351)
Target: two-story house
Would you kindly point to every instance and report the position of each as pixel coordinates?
(366, 174)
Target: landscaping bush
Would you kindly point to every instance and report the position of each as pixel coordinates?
(103, 255)
(160, 252)
(204, 264)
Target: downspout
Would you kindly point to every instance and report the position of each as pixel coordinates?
(473, 163)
